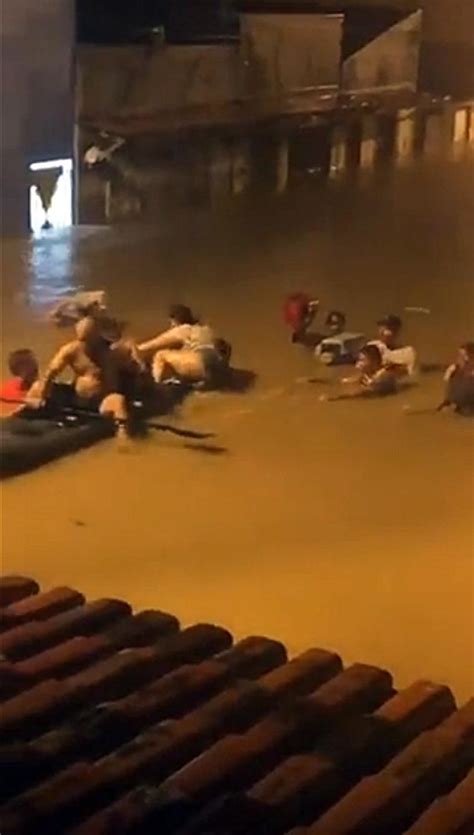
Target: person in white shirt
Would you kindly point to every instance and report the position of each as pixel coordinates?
(186, 351)
(400, 358)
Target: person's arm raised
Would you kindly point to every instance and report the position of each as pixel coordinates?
(449, 372)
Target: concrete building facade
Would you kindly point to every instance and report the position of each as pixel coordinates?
(37, 47)
(293, 68)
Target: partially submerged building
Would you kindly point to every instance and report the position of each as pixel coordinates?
(205, 99)
(222, 115)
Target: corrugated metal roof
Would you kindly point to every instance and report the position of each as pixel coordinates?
(115, 723)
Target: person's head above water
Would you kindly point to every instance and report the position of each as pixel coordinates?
(336, 321)
(299, 311)
(180, 314)
(369, 359)
(88, 330)
(466, 355)
(389, 328)
(23, 364)
(223, 350)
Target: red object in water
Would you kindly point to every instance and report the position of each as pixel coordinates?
(12, 394)
(12, 390)
(295, 310)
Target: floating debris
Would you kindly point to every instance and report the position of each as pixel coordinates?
(425, 310)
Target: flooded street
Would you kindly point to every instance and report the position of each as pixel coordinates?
(343, 525)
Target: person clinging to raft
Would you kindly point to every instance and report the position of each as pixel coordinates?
(95, 371)
(187, 351)
(23, 367)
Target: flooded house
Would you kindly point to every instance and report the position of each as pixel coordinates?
(286, 89)
(206, 102)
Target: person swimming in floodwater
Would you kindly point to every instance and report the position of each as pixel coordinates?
(96, 372)
(401, 359)
(459, 380)
(335, 323)
(187, 352)
(371, 378)
(299, 311)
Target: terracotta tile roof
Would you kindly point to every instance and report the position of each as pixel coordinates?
(114, 723)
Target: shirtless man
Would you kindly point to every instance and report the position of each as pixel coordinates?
(186, 350)
(95, 370)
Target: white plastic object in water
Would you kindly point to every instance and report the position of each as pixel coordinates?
(332, 349)
(425, 310)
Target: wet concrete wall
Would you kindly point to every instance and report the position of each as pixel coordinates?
(163, 84)
(37, 42)
(447, 64)
(447, 55)
(123, 80)
(391, 61)
(290, 52)
(277, 53)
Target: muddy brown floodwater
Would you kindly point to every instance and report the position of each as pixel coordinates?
(346, 525)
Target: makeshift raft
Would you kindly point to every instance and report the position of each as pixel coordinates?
(30, 439)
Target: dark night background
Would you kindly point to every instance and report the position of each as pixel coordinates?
(109, 21)
(446, 61)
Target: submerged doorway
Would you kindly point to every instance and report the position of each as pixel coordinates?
(51, 195)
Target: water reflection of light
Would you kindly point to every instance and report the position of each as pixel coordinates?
(50, 269)
(50, 265)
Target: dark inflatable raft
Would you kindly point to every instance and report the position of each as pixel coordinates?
(30, 439)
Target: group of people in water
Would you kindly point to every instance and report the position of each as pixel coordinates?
(381, 365)
(110, 371)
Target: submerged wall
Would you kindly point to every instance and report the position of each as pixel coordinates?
(37, 43)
